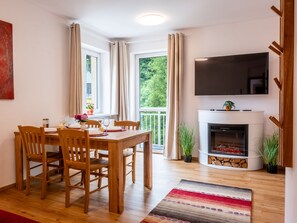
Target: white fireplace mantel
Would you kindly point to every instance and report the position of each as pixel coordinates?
(254, 120)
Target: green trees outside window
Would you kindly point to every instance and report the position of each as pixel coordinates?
(153, 95)
(153, 81)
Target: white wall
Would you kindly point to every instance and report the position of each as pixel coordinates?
(94, 40)
(148, 44)
(228, 39)
(291, 173)
(40, 64)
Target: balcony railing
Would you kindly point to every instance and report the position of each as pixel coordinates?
(154, 119)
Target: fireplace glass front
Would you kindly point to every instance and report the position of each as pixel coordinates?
(228, 139)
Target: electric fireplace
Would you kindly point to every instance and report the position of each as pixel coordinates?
(228, 139)
(231, 139)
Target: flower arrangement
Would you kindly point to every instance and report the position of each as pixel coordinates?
(81, 117)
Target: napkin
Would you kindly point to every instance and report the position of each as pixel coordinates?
(74, 126)
(50, 129)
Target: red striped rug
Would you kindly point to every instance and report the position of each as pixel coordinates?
(7, 217)
(193, 201)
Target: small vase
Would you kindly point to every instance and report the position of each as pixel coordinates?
(83, 125)
(90, 111)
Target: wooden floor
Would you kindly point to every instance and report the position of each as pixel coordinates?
(268, 194)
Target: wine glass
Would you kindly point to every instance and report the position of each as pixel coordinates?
(106, 122)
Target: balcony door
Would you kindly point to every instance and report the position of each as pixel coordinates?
(152, 75)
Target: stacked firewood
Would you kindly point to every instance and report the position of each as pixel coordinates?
(229, 162)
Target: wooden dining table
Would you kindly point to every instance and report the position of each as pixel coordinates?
(115, 143)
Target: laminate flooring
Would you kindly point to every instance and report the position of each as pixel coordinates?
(268, 194)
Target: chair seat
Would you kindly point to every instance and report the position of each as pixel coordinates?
(97, 163)
(128, 152)
(50, 157)
(54, 154)
(103, 152)
(81, 165)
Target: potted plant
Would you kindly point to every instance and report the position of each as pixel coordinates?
(90, 108)
(187, 141)
(269, 152)
(228, 105)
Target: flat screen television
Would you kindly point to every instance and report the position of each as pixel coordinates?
(245, 74)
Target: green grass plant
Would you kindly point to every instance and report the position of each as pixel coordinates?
(269, 151)
(186, 139)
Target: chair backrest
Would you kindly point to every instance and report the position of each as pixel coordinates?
(128, 124)
(75, 148)
(93, 124)
(33, 139)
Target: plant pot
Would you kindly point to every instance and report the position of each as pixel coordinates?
(90, 111)
(271, 168)
(228, 108)
(188, 159)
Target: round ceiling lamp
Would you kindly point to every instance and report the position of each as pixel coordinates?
(151, 19)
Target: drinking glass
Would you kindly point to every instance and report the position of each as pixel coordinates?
(106, 122)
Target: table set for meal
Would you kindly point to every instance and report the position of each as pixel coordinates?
(111, 138)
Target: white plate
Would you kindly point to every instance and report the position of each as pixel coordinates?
(114, 128)
(50, 129)
(94, 132)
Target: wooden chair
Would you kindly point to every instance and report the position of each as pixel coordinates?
(129, 125)
(93, 124)
(33, 141)
(76, 154)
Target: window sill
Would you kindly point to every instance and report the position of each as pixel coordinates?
(101, 115)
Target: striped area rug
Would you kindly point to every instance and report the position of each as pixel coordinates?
(193, 201)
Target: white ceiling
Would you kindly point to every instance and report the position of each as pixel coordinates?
(117, 18)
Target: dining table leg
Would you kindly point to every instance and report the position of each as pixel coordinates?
(147, 162)
(18, 162)
(115, 177)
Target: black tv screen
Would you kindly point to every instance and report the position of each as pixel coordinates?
(232, 75)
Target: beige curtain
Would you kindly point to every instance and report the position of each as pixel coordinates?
(120, 79)
(174, 84)
(114, 79)
(75, 101)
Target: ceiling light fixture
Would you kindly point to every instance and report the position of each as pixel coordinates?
(151, 19)
(201, 59)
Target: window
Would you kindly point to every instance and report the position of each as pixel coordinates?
(91, 78)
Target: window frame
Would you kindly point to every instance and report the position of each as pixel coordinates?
(93, 53)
